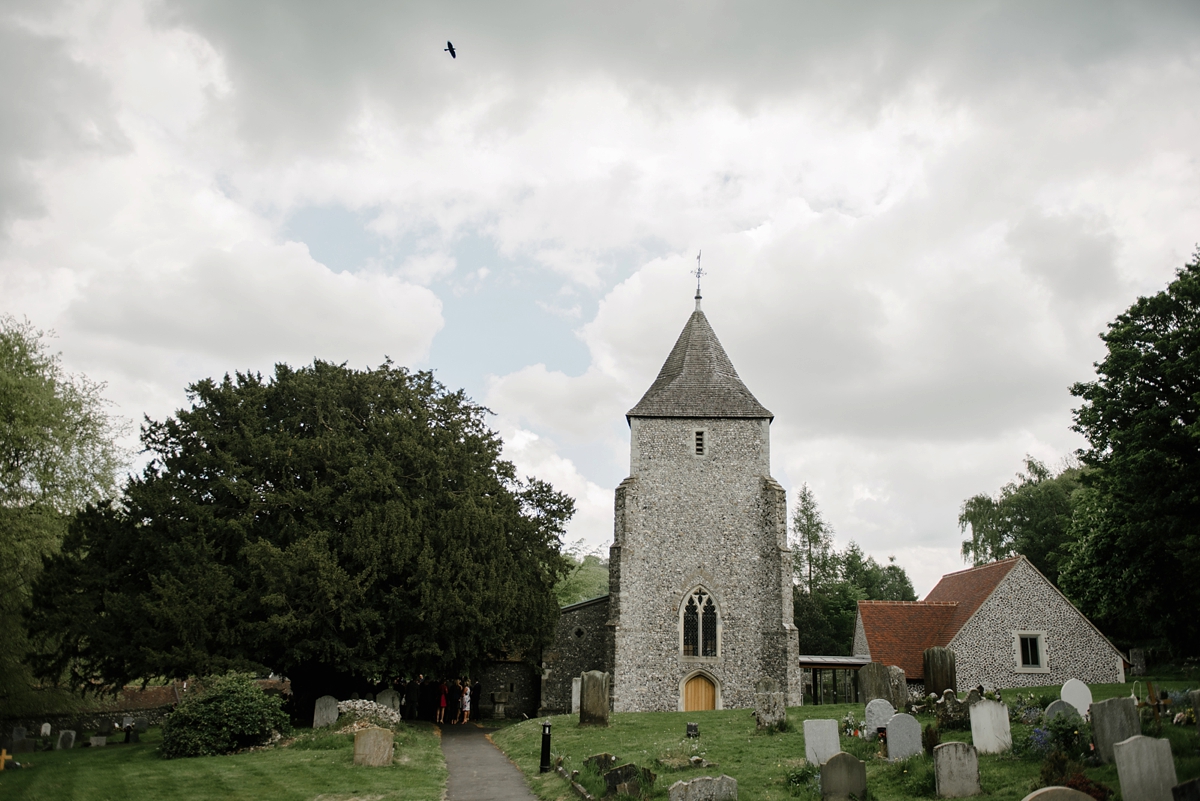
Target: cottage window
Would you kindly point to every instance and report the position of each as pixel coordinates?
(1029, 651)
(700, 625)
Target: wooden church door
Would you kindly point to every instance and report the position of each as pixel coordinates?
(699, 694)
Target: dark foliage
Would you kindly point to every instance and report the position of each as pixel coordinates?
(227, 714)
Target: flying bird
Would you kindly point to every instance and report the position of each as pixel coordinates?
(449, 48)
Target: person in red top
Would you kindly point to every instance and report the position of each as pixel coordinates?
(441, 712)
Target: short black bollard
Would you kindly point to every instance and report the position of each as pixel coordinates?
(693, 730)
(545, 766)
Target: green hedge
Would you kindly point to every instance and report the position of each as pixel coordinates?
(229, 713)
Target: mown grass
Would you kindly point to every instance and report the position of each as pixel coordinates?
(319, 764)
(762, 762)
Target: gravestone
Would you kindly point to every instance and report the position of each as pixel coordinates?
(373, 747)
(1188, 791)
(1077, 694)
(600, 762)
(821, 741)
(769, 709)
(1194, 697)
(575, 689)
(593, 698)
(874, 681)
(704, 788)
(879, 712)
(990, 730)
(1113, 720)
(66, 740)
(951, 712)
(126, 721)
(325, 712)
(843, 776)
(98, 742)
(903, 736)
(940, 671)
(973, 697)
(624, 780)
(1060, 707)
(141, 725)
(390, 699)
(499, 704)
(1145, 768)
(1137, 662)
(956, 770)
(1057, 794)
(24, 746)
(45, 729)
(18, 734)
(899, 687)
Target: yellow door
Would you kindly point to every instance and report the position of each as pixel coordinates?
(699, 694)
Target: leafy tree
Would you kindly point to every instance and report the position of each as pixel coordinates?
(830, 583)
(335, 526)
(57, 453)
(1031, 515)
(1135, 563)
(587, 577)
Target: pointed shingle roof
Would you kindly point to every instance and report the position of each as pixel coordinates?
(698, 380)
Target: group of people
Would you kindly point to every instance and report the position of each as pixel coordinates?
(436, 700)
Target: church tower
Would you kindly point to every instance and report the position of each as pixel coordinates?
(700, 576)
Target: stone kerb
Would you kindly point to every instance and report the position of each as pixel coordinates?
(1145, 769)
(990, 729)
(956, 770)
(325, 712)
(821, 741)
(879, 712)
(390, 699)
(373, 747)
(843, 777)
(704, 788)
(593, 698)
(1113, 720)
(1077, 694)
(1057, 794)
(903, 736)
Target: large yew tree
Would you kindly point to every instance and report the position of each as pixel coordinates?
(1135, 564)
(339, 527)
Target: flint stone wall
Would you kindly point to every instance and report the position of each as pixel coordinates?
(1025, 601)
(517, 679)
(579, 640)
(717, 521)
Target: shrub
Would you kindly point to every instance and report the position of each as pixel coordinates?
(931, 738)
(227, 714)
(1070, 735)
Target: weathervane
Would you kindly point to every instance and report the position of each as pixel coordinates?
(698, 272)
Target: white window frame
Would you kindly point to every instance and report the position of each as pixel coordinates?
(1042, 652)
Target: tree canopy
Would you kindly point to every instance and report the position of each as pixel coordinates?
(336, 526)
(1031, 515)
(1133, 568)
(830, 583)
(57, 453)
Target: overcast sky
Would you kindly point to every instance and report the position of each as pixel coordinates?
(915, 217)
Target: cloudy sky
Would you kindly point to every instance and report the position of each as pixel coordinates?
(915, 217)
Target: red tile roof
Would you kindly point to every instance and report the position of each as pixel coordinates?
(898, 632)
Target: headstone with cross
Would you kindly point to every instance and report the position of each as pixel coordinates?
(4, 757)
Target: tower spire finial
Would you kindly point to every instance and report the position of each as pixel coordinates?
(698, 272)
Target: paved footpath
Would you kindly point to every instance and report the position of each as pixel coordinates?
(479, 771)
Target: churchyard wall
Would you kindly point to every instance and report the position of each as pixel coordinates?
(986, 650)
(716, 521)
(579, 641)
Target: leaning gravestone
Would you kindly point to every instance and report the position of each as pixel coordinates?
(704, 788)
(1077, 694)
(820, 741)
(593, 698)
(1060, 707)
(373, 747)
(1145, 768)
(1113, 720)
(879, 712)
(45, 729)
(843, 777)
(769, 709)
(903, 736)
(1188, 791)
(940, 671)
(325, 713)
(66, 740)
(956, 770)
(390, 699)
(990, 730)
(1057, 794)
(899, 687)
(874, 681)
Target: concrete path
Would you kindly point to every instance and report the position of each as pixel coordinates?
(479, 771)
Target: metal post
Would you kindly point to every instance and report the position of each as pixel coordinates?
(545, 766)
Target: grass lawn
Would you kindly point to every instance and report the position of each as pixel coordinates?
(761, 762)
(318, 764)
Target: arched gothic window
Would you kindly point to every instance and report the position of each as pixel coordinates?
(700, 625)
